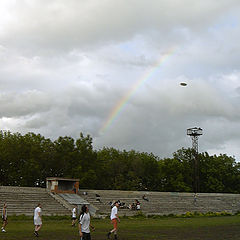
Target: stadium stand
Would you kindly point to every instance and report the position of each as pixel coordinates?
(76, 200)
(23, 200)
(160, 203)
(73, 198)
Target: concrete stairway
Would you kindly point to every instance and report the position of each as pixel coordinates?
(161, 203)
(23, 200)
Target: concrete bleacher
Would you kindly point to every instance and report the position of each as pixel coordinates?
(23, 200)
(161, 203)
(76, 200)
(73, 199)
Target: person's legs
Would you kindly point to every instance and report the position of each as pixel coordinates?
(114, 230)
(89, 237)
(5, 222)
(74, 222)
(86, 236)
(37, 228)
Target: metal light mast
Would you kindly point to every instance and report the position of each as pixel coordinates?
(194, 133)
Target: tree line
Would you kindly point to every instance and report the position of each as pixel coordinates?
(27, 160)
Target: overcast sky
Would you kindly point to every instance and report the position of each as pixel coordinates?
(113, 68)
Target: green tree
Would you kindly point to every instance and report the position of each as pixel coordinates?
(219, 174)
(176, 173)
(86, 163)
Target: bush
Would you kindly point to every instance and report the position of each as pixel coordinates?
(194, 214)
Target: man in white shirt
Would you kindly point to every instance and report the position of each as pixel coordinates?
(114, 218)
(37, 219)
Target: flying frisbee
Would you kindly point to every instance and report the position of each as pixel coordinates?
(183, 84)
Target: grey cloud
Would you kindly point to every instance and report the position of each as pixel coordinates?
(136, 61)
(74, 24)
(36, 122)
(238, 90)
(23, 104)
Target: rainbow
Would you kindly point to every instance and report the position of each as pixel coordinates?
(123, 101)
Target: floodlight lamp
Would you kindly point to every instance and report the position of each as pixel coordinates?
(195, 131)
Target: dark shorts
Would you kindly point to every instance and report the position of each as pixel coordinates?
(86, 236)
(4, 219)
(74, 218)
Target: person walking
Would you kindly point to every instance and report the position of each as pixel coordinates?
(114, 219)
(84, 224)
(37, 219)
(4, 217)
(74, 216)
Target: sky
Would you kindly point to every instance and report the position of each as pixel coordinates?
(112, 69)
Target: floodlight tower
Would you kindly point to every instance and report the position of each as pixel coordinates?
(195, 133)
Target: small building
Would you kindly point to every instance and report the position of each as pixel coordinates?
(62, 185)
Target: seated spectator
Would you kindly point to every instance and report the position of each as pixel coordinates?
(138, 206)
(122, 205)
(145, 198)
(133, 206)
(113, 204)
(98, 198)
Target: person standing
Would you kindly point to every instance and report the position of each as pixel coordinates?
(74, 216)
(37, 219)
(195, 199)
(4, 217)
(114, 219)
(84, 224)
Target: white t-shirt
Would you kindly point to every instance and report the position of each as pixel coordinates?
(74, 213)
(37, 214)
(85, 222)
(114, 212)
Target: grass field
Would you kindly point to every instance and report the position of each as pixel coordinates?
(204, 228)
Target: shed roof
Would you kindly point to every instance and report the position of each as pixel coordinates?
(62, 179)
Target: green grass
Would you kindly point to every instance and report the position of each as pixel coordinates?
(204, 228)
